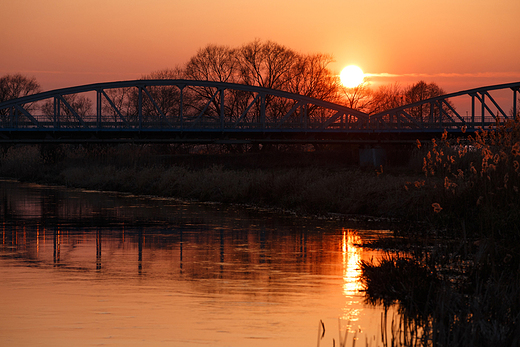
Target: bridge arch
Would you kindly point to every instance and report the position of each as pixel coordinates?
(175, 109)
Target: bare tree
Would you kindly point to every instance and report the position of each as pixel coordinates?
(310, 76)
(358, 98)
(159, 103)
(387, 97)
(16, 86)
(121, 107)
(166, 74)
(392, 96)
(213, 63)
(266, 64)
(80, 106)
(263, 64)
(421, 91)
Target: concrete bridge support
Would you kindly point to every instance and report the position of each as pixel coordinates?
(373, 156)
(388, 154)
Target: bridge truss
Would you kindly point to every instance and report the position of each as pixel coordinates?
(215, 112)
(482, 110)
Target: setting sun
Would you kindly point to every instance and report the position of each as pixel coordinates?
(352, 76)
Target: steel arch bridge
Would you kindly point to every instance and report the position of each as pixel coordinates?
(186, 111)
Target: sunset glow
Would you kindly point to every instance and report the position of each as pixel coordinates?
(65, 43)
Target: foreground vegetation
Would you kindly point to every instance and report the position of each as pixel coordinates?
(463, 290)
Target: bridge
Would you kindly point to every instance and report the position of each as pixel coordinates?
(186, 111)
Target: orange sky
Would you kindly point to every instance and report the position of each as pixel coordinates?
(459, 44)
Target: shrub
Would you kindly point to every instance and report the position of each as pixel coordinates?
(23, 162)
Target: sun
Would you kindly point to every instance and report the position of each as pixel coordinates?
(352, 76)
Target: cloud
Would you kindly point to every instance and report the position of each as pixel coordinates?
(449, 75)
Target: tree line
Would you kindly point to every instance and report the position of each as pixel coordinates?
(257, 63)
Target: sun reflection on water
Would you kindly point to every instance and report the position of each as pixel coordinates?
(351, 255)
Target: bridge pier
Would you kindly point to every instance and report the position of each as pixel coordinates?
(373, 156)
(387, 154)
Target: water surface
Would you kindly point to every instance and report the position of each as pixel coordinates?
(83, 268)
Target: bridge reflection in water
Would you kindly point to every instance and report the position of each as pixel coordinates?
(197, 274)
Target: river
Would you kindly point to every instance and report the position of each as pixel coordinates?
(88, 268)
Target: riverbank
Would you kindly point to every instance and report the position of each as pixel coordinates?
(311, 183)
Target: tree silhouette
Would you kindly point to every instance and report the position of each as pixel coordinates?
(387, 97)
(266, 64)
(219, 64)
(263, 64)
(213, 63)
(310, 76)
(160, 104)
(421, 91)
(358, 98)
(73, 108)
(121, 106)
(16, 86)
